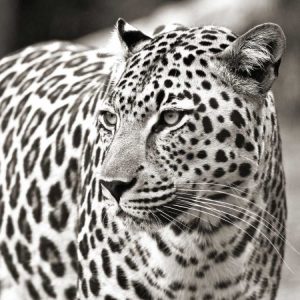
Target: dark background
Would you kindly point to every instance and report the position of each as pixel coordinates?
(23, 22)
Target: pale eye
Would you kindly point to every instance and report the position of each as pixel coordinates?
(171, 117)
(109, 118)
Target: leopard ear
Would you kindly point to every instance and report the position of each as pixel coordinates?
(255, 56)
(132, 39)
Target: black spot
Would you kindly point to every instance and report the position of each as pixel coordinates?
(32, 126)
(77, 136)
(223, 135)
(207, 126)
(54, 120)
(141, 291)
(9, 227)
(46, 162)
(168, 83)
(203, 62)
(58, 218)
(194, 141)
(201, 108)
(213, 103)
(221, 257)
(114, 246)
(219, 172)
(198, 171)
(60, 147)
(209, 37)
(230, 38)
(122, 278)
(89, 69)
(177, 56)
(189, 60)
(237, 119)
(249, 147)
(196, 99)
(232, 167)
(55, 194)
(176, 286)
(15, 192)
(191, 126)
(84, 247)
(24, 226)
(109, 297)
(205, 43)
(72, 251)
(244, 169)
(189, 156)
(46, 283)
(206, 85)
(94, 282)
(174, 73)
(223, 284)
(162, 246)
(181, 260)
(221, 156)
(34, 200)
(159, 98)
(31, 157)
(200, 73)
(24, 256)
(106, 265)
(225, 96)
(220, 119)
(131, 264)
(84, 288)
(50, 253)
(202, 154)
(239, 140)
(70, 293)
(99, 235)
(104, 218)
(238, 102)
(8, 259)
(32, 290)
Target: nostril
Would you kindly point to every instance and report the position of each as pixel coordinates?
(117, 188)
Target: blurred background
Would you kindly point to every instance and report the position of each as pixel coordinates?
(23, 22)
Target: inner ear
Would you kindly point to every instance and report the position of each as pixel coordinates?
(256, 55)
(132, 38)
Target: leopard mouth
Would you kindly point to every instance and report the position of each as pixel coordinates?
(159, 215)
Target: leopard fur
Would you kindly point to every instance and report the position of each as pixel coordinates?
(153, 171)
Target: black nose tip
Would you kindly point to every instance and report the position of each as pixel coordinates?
(118, 188)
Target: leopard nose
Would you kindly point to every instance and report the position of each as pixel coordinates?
(118, 188)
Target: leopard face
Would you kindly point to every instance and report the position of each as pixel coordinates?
(179, 134)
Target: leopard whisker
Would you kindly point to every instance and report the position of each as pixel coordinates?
(267, 214)
(251, 225)
(253, 215)
(172, 220)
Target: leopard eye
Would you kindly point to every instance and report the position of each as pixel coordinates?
(171, 117)
(109, 119)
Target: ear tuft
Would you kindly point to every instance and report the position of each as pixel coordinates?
(256, 55)
(130, 37)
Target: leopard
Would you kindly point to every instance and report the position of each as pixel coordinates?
(152, 170)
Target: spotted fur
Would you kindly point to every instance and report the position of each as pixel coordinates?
(149, 172)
